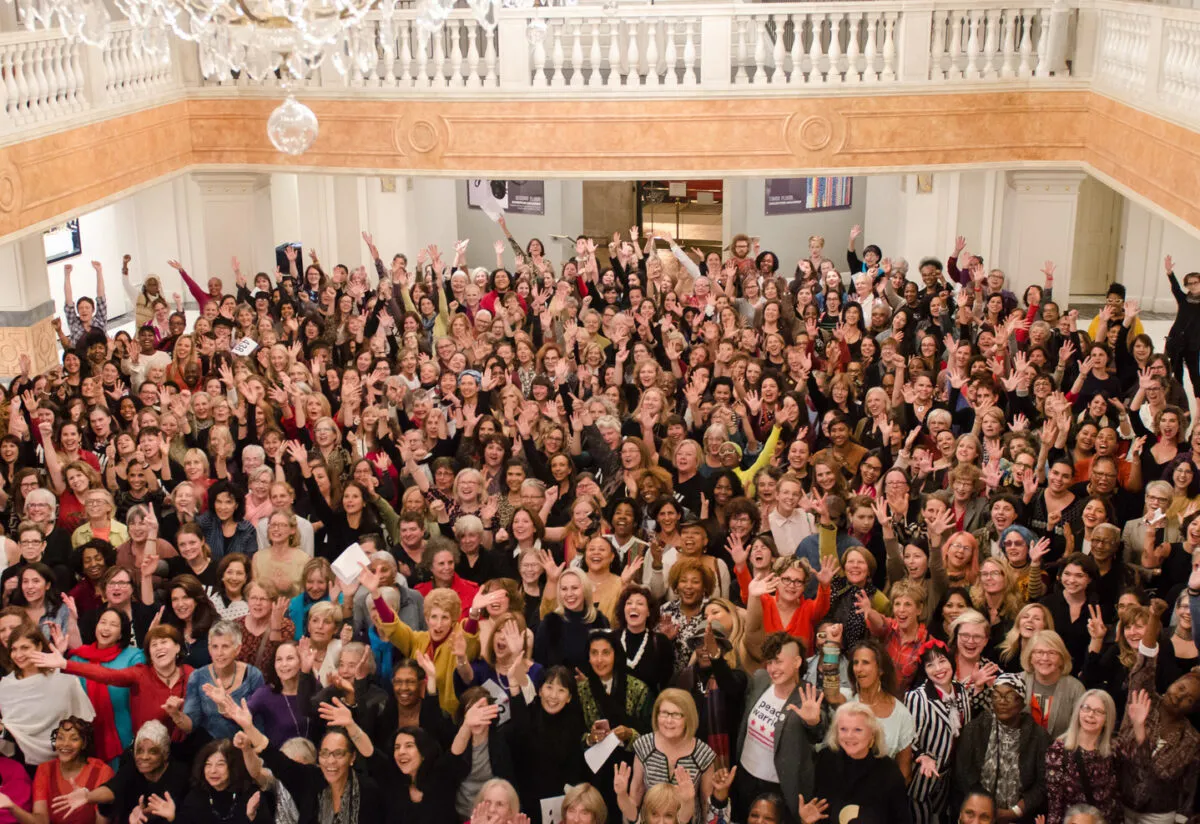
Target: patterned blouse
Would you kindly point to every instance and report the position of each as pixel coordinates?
(1080, 777)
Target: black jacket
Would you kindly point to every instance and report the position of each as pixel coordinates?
(873, 786)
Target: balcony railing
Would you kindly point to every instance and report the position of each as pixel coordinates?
(1146, 55)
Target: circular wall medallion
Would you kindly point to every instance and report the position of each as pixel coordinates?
(423, 136)
(815, 133)
(10, 188)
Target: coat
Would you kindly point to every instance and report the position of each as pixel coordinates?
(244, 539)
(1032, 746)
(1068, 691)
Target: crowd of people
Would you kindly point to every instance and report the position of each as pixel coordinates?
(643, 534)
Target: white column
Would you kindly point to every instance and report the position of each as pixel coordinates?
(513, 48)
(286, 221)
(1040, 208)
(231, 224)
(26, 306)
(913, 45)
(716, 50)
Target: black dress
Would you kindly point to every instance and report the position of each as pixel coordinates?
(437, 781)
(306, 782)
(548, 751)
(129, 786)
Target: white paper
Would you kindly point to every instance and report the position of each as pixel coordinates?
(347, 566)
(597, 754)
(552, 809)
(245, 347)
(500, 698)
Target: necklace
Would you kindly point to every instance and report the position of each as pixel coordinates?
(633, 662)
(221, 682)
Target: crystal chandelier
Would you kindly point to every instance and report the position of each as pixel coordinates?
(261, 38)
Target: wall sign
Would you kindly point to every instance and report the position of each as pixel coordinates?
(795, 195)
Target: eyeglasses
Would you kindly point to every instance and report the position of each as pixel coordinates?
(792, 582)
(337, 755)
(32, 543)
(121, 584)
(990, 573)
(670, 715)
(1086, 710)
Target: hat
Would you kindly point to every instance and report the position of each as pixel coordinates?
(1014, 681)
(1020, 530)
(723, 643)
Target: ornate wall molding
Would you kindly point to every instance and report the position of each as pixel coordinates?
(61, 174)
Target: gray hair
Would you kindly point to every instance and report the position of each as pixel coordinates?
(1083, 809)
(1110, 530)
(385, 558)
(1070, 738)
(533, 483)
(45, 496)
(137, 512)
(154, 732)
(878, 743)
(227, 629)
(391, 597)
(254, 449)
(468, 525)
(1158, 487)
(608, 422)
(270, 473)
(361, 649)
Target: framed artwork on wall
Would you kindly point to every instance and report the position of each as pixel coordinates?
(62, 241)
(796, 195)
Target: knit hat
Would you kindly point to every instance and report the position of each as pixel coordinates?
(1020, 530)
(1014, 681)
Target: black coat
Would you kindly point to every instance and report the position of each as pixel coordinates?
(972, 749)
(306, 782)
(873, 786)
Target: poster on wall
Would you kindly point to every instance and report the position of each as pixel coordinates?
(62, 241)
(517, 197)
(795, 195)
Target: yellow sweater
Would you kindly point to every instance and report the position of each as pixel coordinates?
(411, 642)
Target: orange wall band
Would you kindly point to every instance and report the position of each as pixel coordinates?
(65, 172)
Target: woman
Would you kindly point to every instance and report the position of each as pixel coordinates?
(598, 557)
(504, 649)
(150, 772)
(224, 526)
(332, 791)
(1032, 618)
(442, 610)
(583, 804)
(113, 728)
(151, 686)
(195, 556)
(229, 596)
(211, 687)
(99, 506)
(73, 767)
(264, 627)
(282, 711)
(672, 744)
(693, 583)
(1081, 766)
(968, 640)
(37, 594)
(322, 630)
(852, 772)
(90, 562)
(996, 596)
(852, 589)
(777, 602)
(875, 685)
(1004, 751)
(222, 792)
(940, 707)
(1178, 653)
(562, 636)
(1052, 690)
(35, 699)
(1157, 747)
(441, 558)
(318, 585)
(649, 655)
(189, 611)
(545, 736)
(663, 804)
(622, 708)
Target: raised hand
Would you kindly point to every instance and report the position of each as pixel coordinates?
(1138, 708)
(813, 810)
(336, 714)
(811, 700)
(1095, 625)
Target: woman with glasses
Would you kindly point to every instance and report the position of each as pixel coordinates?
(671, 745)
(777, 601)
(99, 507)
(968, 640)
(1081, 766)
(1052, 691)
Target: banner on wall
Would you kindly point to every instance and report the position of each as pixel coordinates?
(795, 195)
(517, 197)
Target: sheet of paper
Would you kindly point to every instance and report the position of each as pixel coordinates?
(245, 347)
(597, 754)
(347, 566)
(552, 809)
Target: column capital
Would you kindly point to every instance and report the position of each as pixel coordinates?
(1046, 182)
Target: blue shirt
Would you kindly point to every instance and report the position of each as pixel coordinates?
(204, 713)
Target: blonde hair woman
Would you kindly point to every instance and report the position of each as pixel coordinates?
(851, 760)
(995, 592)
(280, 565)
(672, 745)
(563, 634)
(1032, 619)
(1050, 689)
(1081, 766)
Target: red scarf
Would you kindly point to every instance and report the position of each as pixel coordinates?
(108, 743)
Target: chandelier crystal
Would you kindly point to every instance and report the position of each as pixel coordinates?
(287, 39)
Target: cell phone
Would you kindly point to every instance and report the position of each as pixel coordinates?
(602, 726)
